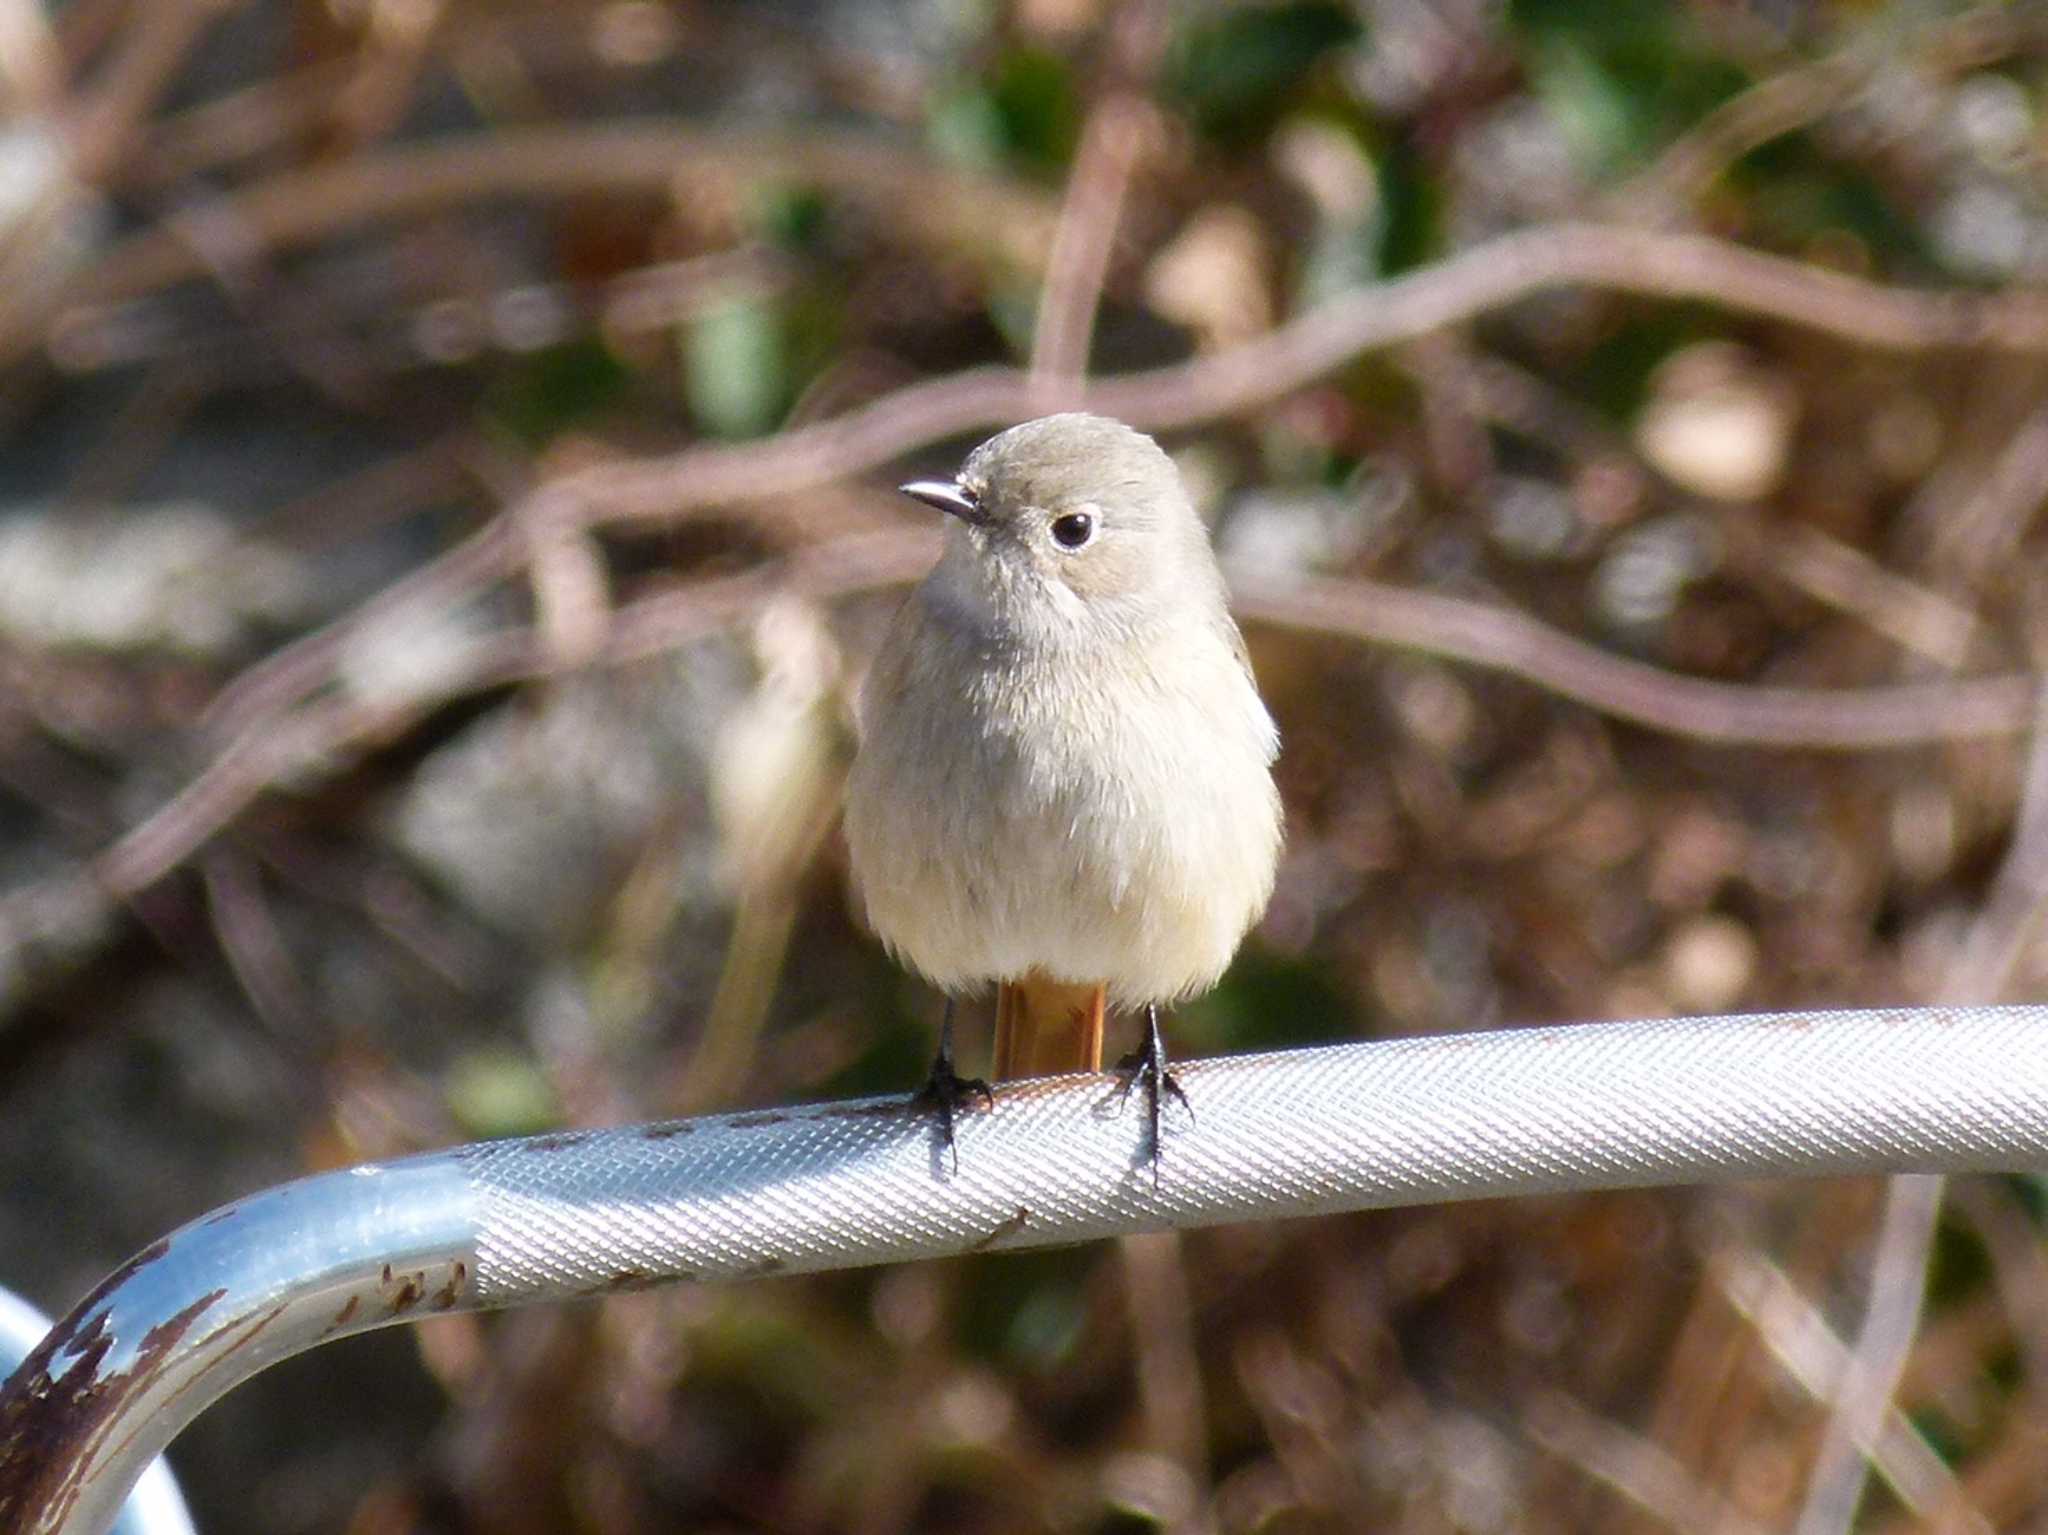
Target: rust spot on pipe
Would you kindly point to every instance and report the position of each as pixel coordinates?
(407, 1292)
(1009, 1227)
(244, 1332)
(53, 1425)
(445, 1297)
(561, 1141)
(882, 1110)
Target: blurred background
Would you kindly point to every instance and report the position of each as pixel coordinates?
(445, 465)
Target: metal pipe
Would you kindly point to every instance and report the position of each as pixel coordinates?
(1529, 1111)
(155, 1507)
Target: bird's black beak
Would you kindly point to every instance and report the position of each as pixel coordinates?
(947, 496)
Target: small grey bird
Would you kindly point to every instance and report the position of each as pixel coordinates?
(1064, 779)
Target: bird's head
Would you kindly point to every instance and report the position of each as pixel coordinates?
(1071, 521)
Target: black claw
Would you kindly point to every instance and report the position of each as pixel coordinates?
(1147, 1064)
(945, 1090)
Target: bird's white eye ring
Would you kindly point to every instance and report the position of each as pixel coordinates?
(1074, 530)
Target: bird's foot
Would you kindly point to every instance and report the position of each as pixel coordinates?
(945, 1091)
(1147, 1065)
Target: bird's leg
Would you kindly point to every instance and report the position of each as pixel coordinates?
(945, 1090)
(1147, 1064)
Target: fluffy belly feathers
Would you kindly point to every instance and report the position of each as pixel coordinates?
(1000, 846)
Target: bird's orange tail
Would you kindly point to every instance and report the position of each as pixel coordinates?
(1044, 1027)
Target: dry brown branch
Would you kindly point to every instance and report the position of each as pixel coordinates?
(265, 748)
(231, 127)
(309, 204)
(1731, 713)
(325, 355)
(1516, 266)
(1795, 97)
(1455, 290)
(300, 668)
(1116, 136)
(152, 47)
(315, 736)
(1074, 273)
(1980, 972)
(1161, 1316)
(1799, 1338)
(1825, 568)
(278, 741)
(1909, 613)
(1997, 506)
(1203, 389)
(1767, 110)
(31, 66)
(1635, 1468)
(1974, 514)
(255, 951)
(386, 71)
(264, 742)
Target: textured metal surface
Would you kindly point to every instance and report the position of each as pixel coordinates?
(1349, 1127)
(1408, 1121)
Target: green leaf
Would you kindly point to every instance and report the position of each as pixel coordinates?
(539, 396)
(1794, 193)
(494, 1093)
(1264, 1002)
(1038, 107)
(966, 127)
(1235, 72)
(1410, 211)
(792, 217)
(1026, 115)
(1025, 1308)
(1013, 310)
(736, 367)
(1613, 374)
(1621, 80)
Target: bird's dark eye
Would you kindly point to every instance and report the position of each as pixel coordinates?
(1073, 530)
